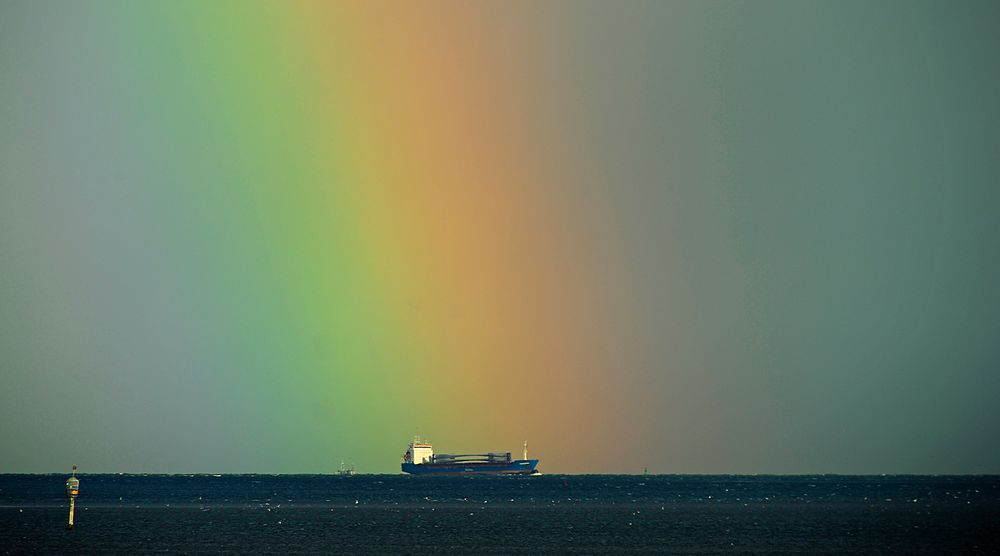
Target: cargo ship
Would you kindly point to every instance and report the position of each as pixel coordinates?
(420, 459)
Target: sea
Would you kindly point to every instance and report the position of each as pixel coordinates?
(548, 514)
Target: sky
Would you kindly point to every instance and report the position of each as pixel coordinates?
(688, 237)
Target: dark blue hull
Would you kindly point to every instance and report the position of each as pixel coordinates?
(517, 467)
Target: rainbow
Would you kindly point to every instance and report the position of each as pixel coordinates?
(328, 226)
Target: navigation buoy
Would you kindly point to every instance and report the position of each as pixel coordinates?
(72, 490)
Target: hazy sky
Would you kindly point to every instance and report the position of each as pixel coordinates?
(698, 237)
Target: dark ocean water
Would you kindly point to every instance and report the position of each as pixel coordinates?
(591, 514)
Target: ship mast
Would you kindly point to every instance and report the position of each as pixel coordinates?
(525, 450)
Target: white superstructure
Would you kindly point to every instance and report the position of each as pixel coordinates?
(419, 451)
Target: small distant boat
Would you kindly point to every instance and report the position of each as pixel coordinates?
(345, 470)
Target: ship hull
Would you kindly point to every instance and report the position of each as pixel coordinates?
(517, 467)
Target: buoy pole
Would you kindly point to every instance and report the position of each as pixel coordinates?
(72, 490)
